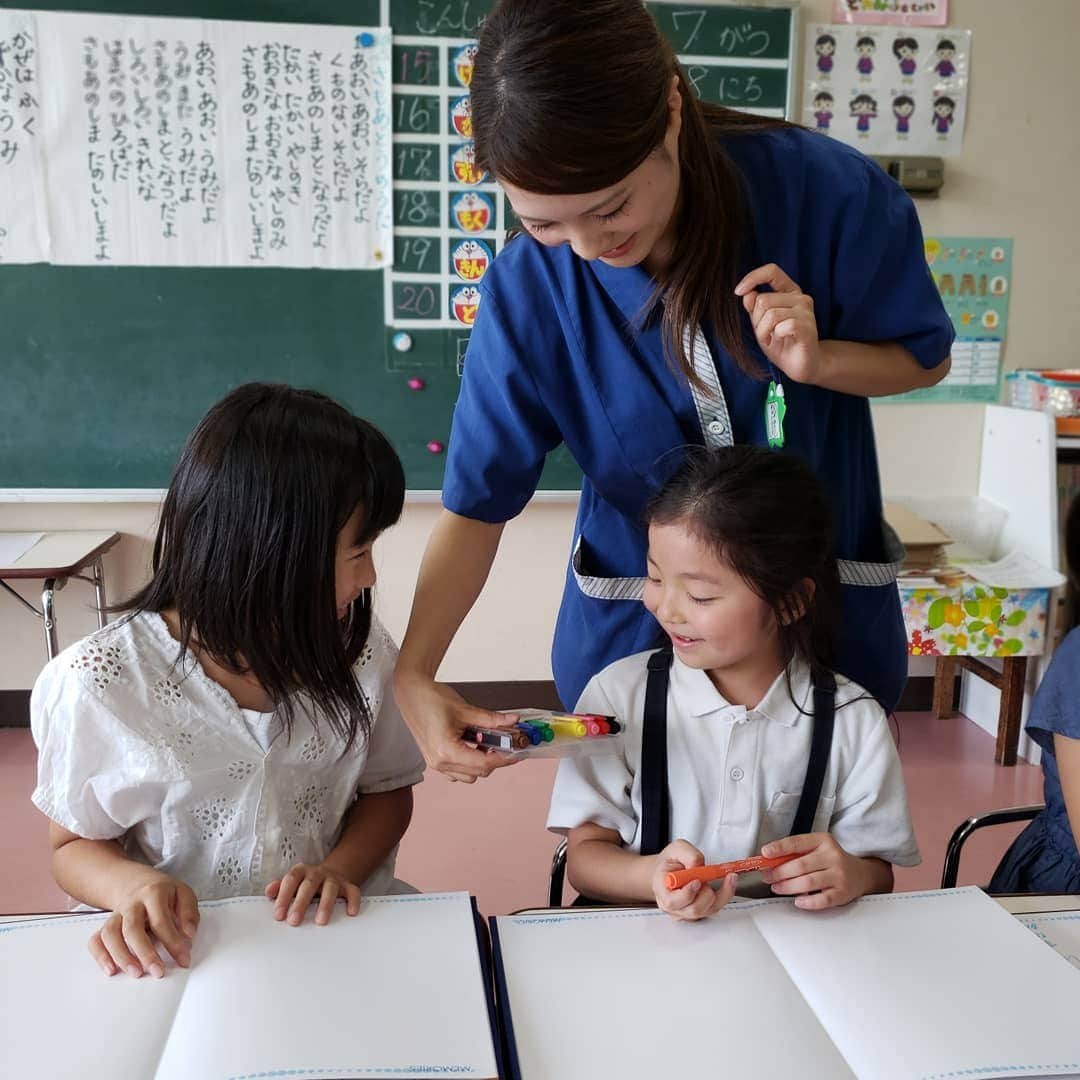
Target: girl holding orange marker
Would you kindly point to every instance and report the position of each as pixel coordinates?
(740, 742)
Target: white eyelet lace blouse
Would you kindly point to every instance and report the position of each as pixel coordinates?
(134, 745)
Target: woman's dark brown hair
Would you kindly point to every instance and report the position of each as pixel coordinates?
(570, 96)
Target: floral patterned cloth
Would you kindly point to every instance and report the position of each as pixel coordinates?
(970, 619)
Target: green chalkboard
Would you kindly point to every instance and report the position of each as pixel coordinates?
(106, 370)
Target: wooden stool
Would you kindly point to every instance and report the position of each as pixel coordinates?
(1010, 681)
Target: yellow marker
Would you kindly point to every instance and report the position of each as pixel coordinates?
(567, 726)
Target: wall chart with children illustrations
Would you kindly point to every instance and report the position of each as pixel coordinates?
(888, 90)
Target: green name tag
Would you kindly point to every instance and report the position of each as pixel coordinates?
(775, 408)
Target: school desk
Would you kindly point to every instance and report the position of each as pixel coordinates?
(54, 559)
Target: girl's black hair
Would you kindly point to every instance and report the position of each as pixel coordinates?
(943, 100)
(1072, 565)
(246, 545)
(826, 39)
(766, 514)
(863, 99)
(900, 42)
(864, 41)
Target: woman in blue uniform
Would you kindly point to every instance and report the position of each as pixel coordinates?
(689, 275)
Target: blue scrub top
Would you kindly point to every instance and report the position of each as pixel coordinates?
(555, 356)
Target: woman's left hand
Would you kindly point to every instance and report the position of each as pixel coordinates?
(783, 322)
(294, 892)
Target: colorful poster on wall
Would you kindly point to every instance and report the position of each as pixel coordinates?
(973, 274)
(896, 12)
(895, 91)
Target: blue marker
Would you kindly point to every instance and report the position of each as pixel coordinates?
(535, 735)
(365, 39)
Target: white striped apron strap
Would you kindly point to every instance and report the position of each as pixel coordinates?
(711, 406)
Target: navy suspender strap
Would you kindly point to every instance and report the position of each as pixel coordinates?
(820, 747)
(655, 799)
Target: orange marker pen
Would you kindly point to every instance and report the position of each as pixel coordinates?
(678, 878)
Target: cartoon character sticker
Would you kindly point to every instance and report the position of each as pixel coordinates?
(463, 167)
(865, 48)
(470, 259)
(823, 114)
(903, 106)
(945, 53)
(944, 108)
(463, 62)
(472, 212)
(464, 303)
(905, 50)
(461, 116)
(863, 108)
(825, 46)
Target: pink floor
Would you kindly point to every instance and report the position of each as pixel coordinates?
(489, 838)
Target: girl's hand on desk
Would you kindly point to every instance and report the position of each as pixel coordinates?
(294, 892)
(437, 717)
(162, 910)
(824, 876)
(696, 900)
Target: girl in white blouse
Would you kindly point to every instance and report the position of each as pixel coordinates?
(739, 738)
(234, 733)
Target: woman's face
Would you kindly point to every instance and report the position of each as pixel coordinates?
(629, 223)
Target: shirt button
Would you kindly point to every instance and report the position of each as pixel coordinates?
(736, 773)
(716, 427)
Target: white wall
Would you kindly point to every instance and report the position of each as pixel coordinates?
(1016, 177)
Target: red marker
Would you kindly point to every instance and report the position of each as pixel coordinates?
(678, 878)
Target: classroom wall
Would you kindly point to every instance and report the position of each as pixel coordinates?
(1016, 177)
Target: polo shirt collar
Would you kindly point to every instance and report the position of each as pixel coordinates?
(698, 697)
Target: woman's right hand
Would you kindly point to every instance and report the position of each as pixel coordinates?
(437, 716)
(159, 910)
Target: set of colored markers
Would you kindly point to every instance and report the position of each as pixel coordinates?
(541, 733)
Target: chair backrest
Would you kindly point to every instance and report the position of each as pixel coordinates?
(951, 868)
(558, 875)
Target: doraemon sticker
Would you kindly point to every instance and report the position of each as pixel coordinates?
(464, 303)
(462, 63)
(469, 260)
(461, 116)
(463, 167)
(472, 212)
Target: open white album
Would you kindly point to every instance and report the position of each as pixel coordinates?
(909, 986)
(397, 991)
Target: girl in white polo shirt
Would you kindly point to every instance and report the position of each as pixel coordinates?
(739, 739)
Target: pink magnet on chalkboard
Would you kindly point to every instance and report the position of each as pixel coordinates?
(416, 384)
(435, 447)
